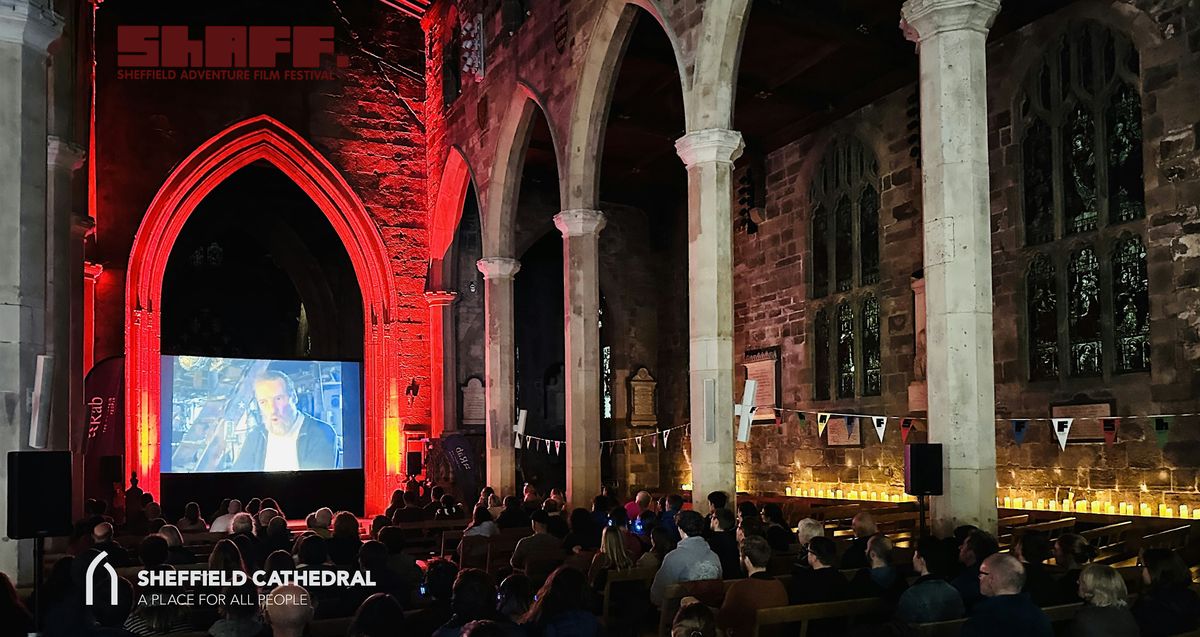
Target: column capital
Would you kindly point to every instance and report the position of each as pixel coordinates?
(579, 222)
(709, 145)
(29, 24)
(440, 298)
(498, 267)
(927, 18)
(61, 153)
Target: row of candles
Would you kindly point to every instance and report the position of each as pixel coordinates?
(1097, 506)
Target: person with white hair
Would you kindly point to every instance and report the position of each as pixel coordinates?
(1005, 610)
(641, 502)
(324, 519)
(288, 609)
(221, 524)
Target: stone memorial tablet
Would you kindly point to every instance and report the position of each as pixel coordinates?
(642, 410)
(474, 407)
(1086, 426)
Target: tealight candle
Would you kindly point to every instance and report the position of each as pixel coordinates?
(1081, 506)
(1041, 504)
(895, 497)
(1162, 510)
(1096, 506)
(1170, 512)
(839, 493)
(1110, 508)
(1121, 509)
(1007, 502)
(1196, 513)
(788, 491)
(1066, 504)
(874, 495)
(854, 495)
(1144, 509)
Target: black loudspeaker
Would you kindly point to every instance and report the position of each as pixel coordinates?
(923, 469)
(39, 494)
(112, 469)
(413, 463)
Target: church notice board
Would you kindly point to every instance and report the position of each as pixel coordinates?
(843, 431)
(1087, 426)
(762, 365)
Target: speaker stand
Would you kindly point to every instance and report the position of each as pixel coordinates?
(921, 514)
(39, 559)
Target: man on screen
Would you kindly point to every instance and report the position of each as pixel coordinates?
(291, 440)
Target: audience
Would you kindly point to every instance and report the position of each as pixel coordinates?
(238, 613)
(560, 608)
(344, 544)
(723, 539)
(449, 509)
(223, 522)
(1105, 612)
(15, 618)
(288, 610)
(931, 598)
(436, 592)
(779, 533)
(660, 545)
(601, 505)
(380, 615)
(880, 578)
(540, 544)
(1071, 553)
(514, 597)
(582, 534)
(691, 560)
(619, 521)
(612, 556)
(639, 503)
(410, 510)
(977, 546)
(1004, 610)
(1167, 605)
(673, 504)
(481, 523)
(820, 581)
(513, 516)
(1033, 549)
(864, 527)
(694, 620)
(191, 522)
(324, 519)
(758, 590)
(473, 598)
(102, 540)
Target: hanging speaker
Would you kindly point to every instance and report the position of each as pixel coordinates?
(39, 494)
(43, 391)
(923, 469)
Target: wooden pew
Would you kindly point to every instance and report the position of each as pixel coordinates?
(1059, 615)
(853, 610)
(1052, 528)
(1174, 539)
(624, 578)
(1109, 541)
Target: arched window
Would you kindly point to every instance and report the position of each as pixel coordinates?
(1081, 154)
(844, 231)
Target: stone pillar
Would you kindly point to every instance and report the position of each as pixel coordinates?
(951, 36)
(441, 363)
(26, 31)
(581, 314)
(709, 156)
(500, 358)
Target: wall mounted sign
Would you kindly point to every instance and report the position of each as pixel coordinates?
(762, 366)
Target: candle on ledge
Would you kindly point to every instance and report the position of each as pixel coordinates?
(1196, 513)
(1110, 508)
(1066, 504)
(1122, 508)
(839, 493)
(1144, 509)
(1097, 506)
(874, 495)
(895, 497)
(1170, 512)
(1041, 504)
(788, 491)
(1081, 506)
(1162, 509)
(853, 495)
(1007, 502)
(1054, 505)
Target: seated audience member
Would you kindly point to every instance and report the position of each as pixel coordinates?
(110, 620)
(601, 505)
(221, 509)
(238, 613)
(156, 616)
(779, 533)
(558, 522)
(513, 516)
(1105, 612)
(481, 524)
(485, 496)
(691, 560)
(640, 502)
(716, 500)
(490, 628)
(410, 511)
(1004, 610)
(154, 516)
(748, 527)
(666, 519)
(191, 522)
(380, 615)
(931, 598)
(540, 544)
(435, 501)
(557, 495)
(242, 534)
(723, 539)
(560, 608)
(820, 582)
(531, 501)
(758, 590)
(1071, 553)
(612, 556)
(806, 530)
(343, 546)
(1166, 605)
(747, 510)
(222, 523)
(276, 536)
(288, 610)
(864, 527)
(373, 559)
(694, 620)
(435, 594)
(582, 533)
(177, 553)
(880, 579)
(14, 616)
(449, 509)
(277, 562)
(617, 520)
(102, 540)
(312, 553)
(976, 548)
(226, 557)
(323, 519)
(398, 561)
(153, 552)
(253, 506)
(262, 519)
(473, 597)
(514, 597)
(396, 502)
(1033, 549)
(660, 545)
(270, 503)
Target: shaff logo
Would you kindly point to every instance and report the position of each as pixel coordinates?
(225, 52)
(90, 580)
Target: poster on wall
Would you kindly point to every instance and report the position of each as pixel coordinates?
(844, 431)
(1087, 426)
(762, 366)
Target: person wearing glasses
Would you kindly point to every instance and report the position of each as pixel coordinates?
(1005, 611)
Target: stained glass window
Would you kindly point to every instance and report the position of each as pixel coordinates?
(845, 351)
(846, 262)
(1082, 182)
(872, 383)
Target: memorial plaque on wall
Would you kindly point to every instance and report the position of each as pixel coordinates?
(762, 365)
(1086, 426)
(642, 412)
(474, 407)
(837, 434)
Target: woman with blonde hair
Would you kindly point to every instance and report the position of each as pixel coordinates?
(1105, 612)
(611, 557)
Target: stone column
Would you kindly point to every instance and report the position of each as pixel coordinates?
(500, 358)
(441, 362)
(951, 36)
(709, 156)
(26, 31)
(581, 314)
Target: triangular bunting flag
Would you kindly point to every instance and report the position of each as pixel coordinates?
(822, 422)
(558, 447)
(639, 444)
(653, 441)
(1019, 429)
(666, 438)
(880, 425)
(906, 425)
(1110, 429)
(1062, 429)
(1162, 427)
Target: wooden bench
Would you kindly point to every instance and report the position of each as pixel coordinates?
(1058, 615)
(1052, 528)
(630, 577)
(1174, 539)
(1109, 541)
(854, 611)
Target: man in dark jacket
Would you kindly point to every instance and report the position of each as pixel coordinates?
(978, 546)
(1005, 611)
(289, 440)
(723, 540)
(821, 582)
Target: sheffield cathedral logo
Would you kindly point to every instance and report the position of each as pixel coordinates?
(90, 580)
